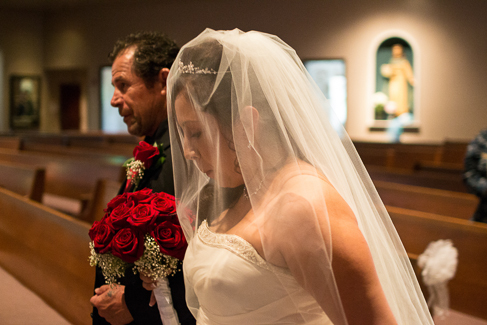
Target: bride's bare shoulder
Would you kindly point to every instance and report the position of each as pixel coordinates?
(300, 178)
(301, 187)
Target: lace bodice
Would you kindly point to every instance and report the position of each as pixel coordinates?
(233, 243)
(228, 282)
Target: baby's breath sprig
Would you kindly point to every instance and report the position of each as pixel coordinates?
(153, 263)
(112, 267)
(135, 171)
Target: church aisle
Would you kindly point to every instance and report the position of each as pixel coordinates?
(19, 305)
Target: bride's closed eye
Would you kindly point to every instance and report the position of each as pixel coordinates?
(191, 132)
(196, 134)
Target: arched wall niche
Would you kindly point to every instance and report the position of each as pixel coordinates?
(413, 54)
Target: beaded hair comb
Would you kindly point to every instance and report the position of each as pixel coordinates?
(191, 69)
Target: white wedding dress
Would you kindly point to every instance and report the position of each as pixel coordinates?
(228, 282)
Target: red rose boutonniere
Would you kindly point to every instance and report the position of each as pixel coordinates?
(145, 156)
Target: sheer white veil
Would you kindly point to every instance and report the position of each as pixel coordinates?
(256, 99)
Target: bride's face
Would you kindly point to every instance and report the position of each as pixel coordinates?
(205, 144)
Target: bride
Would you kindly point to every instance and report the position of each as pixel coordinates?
(283, 223)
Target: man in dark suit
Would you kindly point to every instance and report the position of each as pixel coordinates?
(140, 66)
(475, 173)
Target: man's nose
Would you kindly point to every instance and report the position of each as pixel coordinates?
(117, 99)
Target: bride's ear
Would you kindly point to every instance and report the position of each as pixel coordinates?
(248, 127)
(250, 120)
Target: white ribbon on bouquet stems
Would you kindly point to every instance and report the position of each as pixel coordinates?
(162, 293)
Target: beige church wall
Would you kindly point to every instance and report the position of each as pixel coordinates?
(448, 69)
(67, 60)
(447, 34)
(21, 48)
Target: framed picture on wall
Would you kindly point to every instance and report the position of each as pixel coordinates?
(25, 95)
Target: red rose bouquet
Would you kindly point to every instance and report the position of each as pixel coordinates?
(139, 230)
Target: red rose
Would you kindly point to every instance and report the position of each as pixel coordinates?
(116, 201)
(169, 235)
(164, 203)
(142, 196)
(118, 217)
(145, 152)
(102, 235)
(128, 244)
(142, 217)
(92, 231)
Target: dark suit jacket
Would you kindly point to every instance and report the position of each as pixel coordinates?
(475, 173)
(136, 297)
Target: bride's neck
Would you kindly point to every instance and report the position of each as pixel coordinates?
(231, 216)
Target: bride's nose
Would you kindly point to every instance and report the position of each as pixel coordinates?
(190, 153)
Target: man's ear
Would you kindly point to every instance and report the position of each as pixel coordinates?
(162, 77)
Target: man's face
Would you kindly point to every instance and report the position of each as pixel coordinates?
(142, 108)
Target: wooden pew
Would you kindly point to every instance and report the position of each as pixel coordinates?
(124, 151)
(397, 155)
(105, 190)
(447, 156)
(453, 152)
(81, 143)
(71, 177)
(119, 154)
(375, 154)
(407, 156)
(469, 286)
(447, 203)
(118, 145)
(378, 157)
(86, 139)
(123, 138)
(10, 142)
(440, 168)
(451, 159)
(443, 181)
(32, 140)
(48, 252)
(439, 159)
(23, 179)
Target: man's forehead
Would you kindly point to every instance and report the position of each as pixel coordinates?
(123, 62)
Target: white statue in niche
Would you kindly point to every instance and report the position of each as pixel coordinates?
(399, 73)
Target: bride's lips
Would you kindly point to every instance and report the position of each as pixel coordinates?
(202, 169)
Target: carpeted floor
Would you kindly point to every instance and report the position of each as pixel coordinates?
(20, 306)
